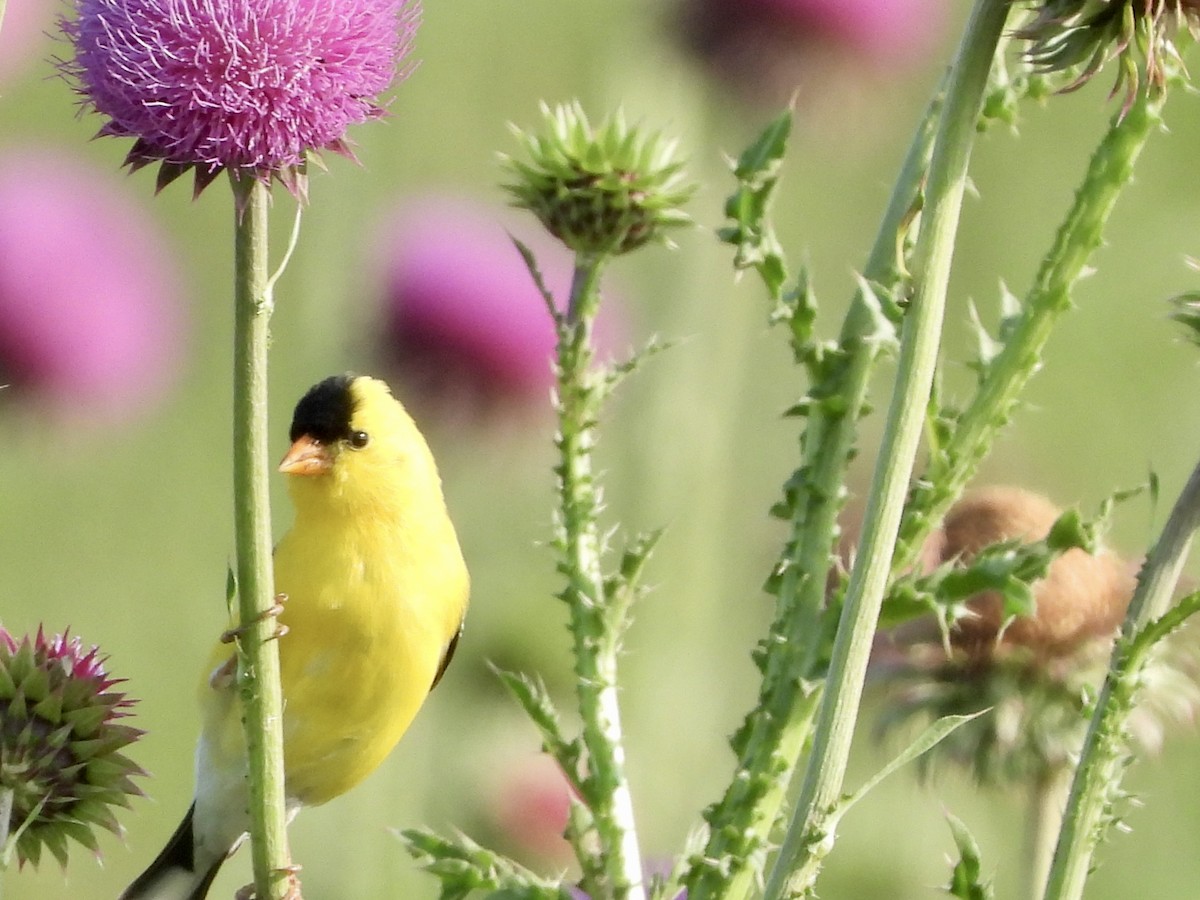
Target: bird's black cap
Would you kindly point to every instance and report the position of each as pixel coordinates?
(325, 411)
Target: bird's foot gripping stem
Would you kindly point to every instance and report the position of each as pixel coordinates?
(293, 886)
(271, 612)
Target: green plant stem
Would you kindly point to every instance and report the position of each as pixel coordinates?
(597, 619)
(1043, 818)
(6, 836)
(258, 652)
(1096, 785)
(1080, 234)
(777, 729)
(809, 836)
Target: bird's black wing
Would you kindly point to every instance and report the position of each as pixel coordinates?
(446, 657)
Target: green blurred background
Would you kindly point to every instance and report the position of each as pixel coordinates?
(124, 534)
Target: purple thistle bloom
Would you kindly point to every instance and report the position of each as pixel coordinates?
(767, 49)
(465, 321)
(245, 85)
(90, 319)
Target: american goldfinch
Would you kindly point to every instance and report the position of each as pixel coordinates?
(376, 589)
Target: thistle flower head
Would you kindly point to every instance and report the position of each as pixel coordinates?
(60, 744)
(465, 324)
(1035, 674)
(603, 190)
(248, 86)
(96, 335)
(1082, 36)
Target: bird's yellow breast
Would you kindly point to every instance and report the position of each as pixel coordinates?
(371, 608)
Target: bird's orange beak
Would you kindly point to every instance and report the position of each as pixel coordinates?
(307, 456)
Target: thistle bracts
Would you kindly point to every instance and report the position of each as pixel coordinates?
(61, 766)
(1080, 37)
(603, 190)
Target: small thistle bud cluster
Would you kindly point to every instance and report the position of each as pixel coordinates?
(603, 190)
(61, 743)
(1081, 36)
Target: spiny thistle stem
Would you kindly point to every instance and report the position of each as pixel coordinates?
(776, 730)
(1096, 785)
(258, 652)
(1079, 235)
(596, 622)
(809, 837)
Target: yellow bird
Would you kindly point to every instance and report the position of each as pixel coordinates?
(376, 592)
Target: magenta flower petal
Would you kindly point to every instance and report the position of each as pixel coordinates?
(245, 85)
(766, 50)
(887, 30)
(90, 319)
(460, 299)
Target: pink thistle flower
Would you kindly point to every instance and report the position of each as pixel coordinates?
(464, 319)
(248, 86)
(90, 320)
(768, 48)
(532, 806)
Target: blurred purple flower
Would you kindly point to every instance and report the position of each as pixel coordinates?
(531, 806)
(883, 31)
(463, 315)
(245, 85)
(23, 34)
(90, 321)
(766, 48)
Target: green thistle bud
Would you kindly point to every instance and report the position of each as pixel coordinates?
(604, 190)
(1083, 35)
(61, 769)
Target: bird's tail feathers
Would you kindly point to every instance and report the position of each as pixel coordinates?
(174, 874)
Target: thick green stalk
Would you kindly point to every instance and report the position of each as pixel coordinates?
(1043, 818)
(809, 836)
(776, 730)
(1079, 235)
(258, 653)
(1097, 781)
(597, 619)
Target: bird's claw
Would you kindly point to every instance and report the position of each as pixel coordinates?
(271, 612)
(292, 891)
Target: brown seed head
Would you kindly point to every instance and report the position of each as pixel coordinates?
(1082, 596)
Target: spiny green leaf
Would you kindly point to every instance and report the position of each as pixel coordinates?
(966, 881)
(927, 739)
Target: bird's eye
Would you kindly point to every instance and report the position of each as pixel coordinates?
(359, 439)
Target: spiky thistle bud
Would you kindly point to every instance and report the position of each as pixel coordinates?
(1082, 36)
(61, 743)
(603, 190)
